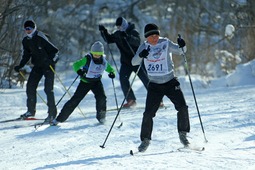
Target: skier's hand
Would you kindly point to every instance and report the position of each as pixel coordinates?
(144, 53)
(17, 68)
(111, 75)
(181, 42)
(102, 28)
(81, 72)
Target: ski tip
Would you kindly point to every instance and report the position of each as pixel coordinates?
(120, 125)
(131, 152)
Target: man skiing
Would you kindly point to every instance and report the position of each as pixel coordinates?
(127, 39)
(42, 53)
(156, 53)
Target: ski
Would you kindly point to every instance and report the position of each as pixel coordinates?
(133, 153)
(37, 125)
(20, 119)
(186, 148)
(136, 152)
(192, 148)
(135, 108)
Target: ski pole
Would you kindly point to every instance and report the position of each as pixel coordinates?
(67, 90)
(103, 146)
(64, 86)
(116, 102)
(36, 92)
(110, 51)
(187, 71)
(131, 49)
(116, 70)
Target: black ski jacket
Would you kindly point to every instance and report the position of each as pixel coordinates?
(39, 49)
(126, 45)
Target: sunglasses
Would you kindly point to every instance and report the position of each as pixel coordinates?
(29, 28)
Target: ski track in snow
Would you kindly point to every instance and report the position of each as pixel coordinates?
(227, 115)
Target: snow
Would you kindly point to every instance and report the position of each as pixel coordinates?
(229, 31)
(227, 112)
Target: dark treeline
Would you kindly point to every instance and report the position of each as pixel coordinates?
(73, 27)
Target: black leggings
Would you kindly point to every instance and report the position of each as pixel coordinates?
(154, 96)
(80, 93)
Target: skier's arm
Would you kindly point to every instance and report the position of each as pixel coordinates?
(137, 59)
(80, 63)
(109, 68)
(25, 56)
(174, 48)
(108, 38)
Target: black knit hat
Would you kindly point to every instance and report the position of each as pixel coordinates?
(119, 21)
(29, 23)
(151, 29)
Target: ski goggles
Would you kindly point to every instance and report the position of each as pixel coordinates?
(29, 28)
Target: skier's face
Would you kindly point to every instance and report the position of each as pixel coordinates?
(98, 59)
(96, 56)
(153, 39)
(29, 30)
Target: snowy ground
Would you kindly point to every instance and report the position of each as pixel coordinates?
(227, 115)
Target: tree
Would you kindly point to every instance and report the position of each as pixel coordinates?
(73, 27)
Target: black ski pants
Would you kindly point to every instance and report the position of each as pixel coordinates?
(32, 84)
(81, 91)
(154, 96)
(125, 73)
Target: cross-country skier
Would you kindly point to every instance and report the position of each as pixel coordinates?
(156, 53)
(90, 68)
(127, 39)
(42, 53)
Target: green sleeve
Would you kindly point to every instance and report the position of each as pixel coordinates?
(109, 68)
(79, 63)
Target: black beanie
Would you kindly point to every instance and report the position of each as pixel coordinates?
(29, 23)
(151, 29)
(119, 21)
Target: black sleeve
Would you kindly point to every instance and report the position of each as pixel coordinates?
(26, 54)
(109, 38)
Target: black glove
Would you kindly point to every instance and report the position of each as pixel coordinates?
(124, 34)
(102, 28)
(111, 75)
(81, 72)
(181, 42)
(144, 53)
(17, 68)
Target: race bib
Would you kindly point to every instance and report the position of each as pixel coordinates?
(156, 62)
(95, 70)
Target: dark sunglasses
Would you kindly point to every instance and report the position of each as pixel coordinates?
(29, 28)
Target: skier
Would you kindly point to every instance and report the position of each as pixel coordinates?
(127, 39)
(90, 68)
(156, 53)
(43, 54)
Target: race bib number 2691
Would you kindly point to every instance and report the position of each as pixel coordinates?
(155, 68)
